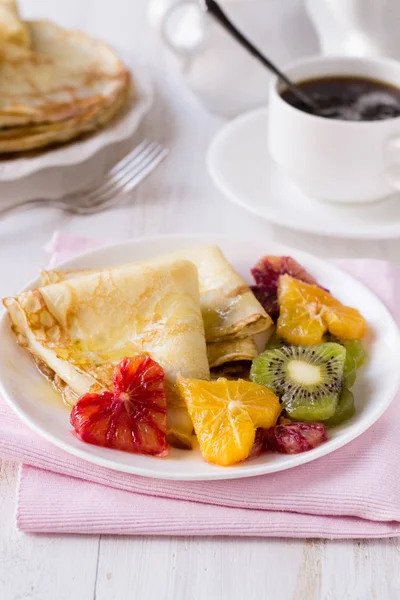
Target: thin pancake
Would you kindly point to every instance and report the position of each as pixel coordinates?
(239, 369)
(80, 328)
(12, 29)
(40, 136)
(229, 308)
(219, 353)
(231, 359)
(62, 75)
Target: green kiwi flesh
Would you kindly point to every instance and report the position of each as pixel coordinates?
(308, 379)
(344, 411)
(356, 355)
(355, 358)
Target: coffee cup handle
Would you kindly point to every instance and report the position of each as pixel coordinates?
(392, 161)
(184, 52)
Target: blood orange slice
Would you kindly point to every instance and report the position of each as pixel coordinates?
(293, 438)
(133, 417)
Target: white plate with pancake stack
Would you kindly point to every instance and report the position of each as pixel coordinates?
(64, 98)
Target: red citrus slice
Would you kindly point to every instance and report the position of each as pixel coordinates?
(133, 417)
(293, 438)
(258, 444)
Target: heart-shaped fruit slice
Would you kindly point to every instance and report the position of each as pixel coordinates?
(307, 312)
(266, 274)
(133, 417)
(225, 415)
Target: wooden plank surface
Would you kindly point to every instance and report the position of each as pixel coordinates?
(179, 197)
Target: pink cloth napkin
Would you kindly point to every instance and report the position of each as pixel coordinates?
(351, 493)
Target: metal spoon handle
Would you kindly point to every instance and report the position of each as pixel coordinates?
(216, 11)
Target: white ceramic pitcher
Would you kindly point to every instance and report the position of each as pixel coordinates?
(215, 67)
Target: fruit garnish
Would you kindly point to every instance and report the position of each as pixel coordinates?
(355, 358)
(226, 414)
(266, 274)
(258, 444)
(307, 312)
(133, 417)
(344, 410)
(308, 379)
(293, 438)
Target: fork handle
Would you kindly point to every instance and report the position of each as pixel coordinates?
(28, 204)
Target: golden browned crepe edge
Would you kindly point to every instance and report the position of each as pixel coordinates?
(75, 128)
(219, 353)
(53, 111)
(180, 439)
(89, 108)
(257, 322)
(18, 33)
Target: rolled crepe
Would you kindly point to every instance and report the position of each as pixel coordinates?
(231, 359)
(78, 329)
(229, 308)
(230, 351)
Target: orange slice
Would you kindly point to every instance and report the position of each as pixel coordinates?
(307, 312)
(225, 416)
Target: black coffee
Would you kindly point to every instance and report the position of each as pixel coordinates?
(349, 98)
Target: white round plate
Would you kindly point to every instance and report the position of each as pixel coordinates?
(76, 152)
(31, 397)
(240, 165)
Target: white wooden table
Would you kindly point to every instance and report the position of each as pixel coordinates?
(179, 197)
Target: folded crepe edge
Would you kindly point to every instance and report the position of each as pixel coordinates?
(179, 424)
(228, 351)
(18, 32)
(78, 126)
(253, 323)
(109, 101)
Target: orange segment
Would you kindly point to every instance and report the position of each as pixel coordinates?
(307, 312)
(225, 416)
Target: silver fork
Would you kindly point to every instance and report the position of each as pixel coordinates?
(124, 176)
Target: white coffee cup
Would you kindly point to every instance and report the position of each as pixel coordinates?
(336, 160)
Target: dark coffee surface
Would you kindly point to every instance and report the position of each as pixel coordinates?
(349, 98)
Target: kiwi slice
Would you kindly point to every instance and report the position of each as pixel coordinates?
(355, 358)
(308, 379)
(344, 411)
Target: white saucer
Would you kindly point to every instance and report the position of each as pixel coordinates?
(242, 169)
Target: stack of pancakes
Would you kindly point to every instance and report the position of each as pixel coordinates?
(54, 84)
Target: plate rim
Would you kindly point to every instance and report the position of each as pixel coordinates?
(369, 233)
(229, 473)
